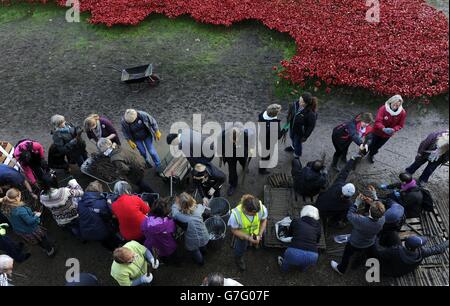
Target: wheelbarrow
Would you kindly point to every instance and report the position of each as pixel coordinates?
(139, 74)
(85, 170)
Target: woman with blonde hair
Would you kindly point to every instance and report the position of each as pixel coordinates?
(187, 211)
(26, 223)
(305, 232)
(97, 127)
(390, 119)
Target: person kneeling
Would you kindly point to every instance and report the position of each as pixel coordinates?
(303, 251)
(130, 265)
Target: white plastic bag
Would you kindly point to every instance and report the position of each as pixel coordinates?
(284, 222)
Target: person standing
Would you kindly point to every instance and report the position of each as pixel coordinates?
(67, 141)
(302, 117)
(97, 127)
(310, 180)
(235, 149)
(390, 119)
(364, 232)
(248, 222)
(303, 250)
(358, 131)
(434, 150)
(141, 130)
(267, 119)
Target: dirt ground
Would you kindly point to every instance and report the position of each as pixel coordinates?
(50, 66)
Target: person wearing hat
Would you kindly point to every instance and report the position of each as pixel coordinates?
(189, 142)
(130, 266)
(407, 193)
(235, 144)
(30, 155)
(67, 141)
(267, 119)
(390, 119)
(358, 130)
(400, 260)
(141, 130)
(248, 222)
(433, 151)
(364, 232)
(208, 181)
(302, 117)
(97, 127)
(333, 203)
(130, 166)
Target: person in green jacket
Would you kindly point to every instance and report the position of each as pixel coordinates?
(24, 221)
(130, 264)
(248, 222)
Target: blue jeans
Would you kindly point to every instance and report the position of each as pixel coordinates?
(299, 258)
(297, 145)
(240, 246)
(147, 144)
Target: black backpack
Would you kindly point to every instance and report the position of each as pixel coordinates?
(427, 201)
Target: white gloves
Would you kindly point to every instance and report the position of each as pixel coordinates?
(434, 156)
(155, 263)
(211, 191)
(147, 279)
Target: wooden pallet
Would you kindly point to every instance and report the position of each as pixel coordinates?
(280, 203)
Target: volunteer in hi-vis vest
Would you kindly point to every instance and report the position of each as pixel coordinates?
(248, 222)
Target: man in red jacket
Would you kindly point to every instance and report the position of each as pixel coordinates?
(390, 119)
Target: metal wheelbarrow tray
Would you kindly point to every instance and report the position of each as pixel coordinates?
(85, 169)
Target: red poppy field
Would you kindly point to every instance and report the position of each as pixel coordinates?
(405, 53)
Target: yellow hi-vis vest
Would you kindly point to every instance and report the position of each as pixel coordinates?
(247, 226)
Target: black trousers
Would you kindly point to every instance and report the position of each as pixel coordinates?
(376, 144)
(341, 147)
(232, 169)
(350, 251)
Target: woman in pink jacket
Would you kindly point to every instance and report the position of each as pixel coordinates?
(30, 155)
(390, 119)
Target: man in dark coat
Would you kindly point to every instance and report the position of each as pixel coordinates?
(309, 180)
(334, 203)
(235, 147)
(399, 260)
(130, 166)
(67, 140)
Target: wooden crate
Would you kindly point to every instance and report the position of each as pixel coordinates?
(7, 155)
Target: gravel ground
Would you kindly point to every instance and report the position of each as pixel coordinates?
(50, 66)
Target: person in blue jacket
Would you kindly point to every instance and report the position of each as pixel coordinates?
(95, 217)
